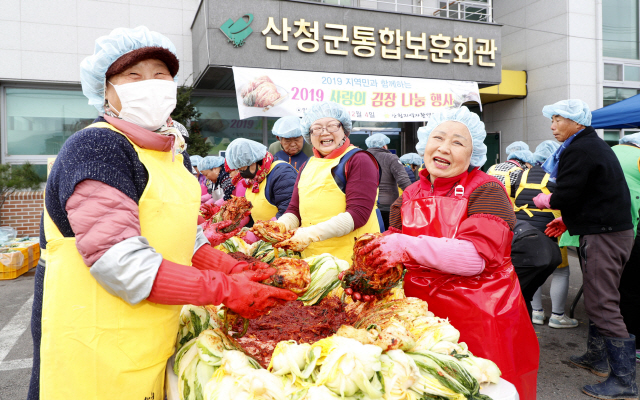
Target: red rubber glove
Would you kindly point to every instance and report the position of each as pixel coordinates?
(542, 201)
(555, 228)
(214, 235)
(177, 284)
(391, 230)
(385, 252)
(208, 258)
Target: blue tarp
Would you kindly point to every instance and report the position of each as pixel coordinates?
(624, 114)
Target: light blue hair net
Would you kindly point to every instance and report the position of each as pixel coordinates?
(573, 109)
(244, 152)
(545, 150)
(411, 158)
(210, 162)
(195, 161)
(377, 140)
(631, 139)
(522, 155)
(287, 127)
(108, 49)
(466, 117)
(327, 109)
(516, 146)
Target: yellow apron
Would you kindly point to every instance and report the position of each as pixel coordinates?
(322, 199)
(262, 210)
(96, 345)
(542, 186)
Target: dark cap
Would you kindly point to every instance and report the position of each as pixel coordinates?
(144, 53)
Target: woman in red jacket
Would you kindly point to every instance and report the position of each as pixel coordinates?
(456, 235)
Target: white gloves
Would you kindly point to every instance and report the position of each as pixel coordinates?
(289, 220)
(337, 226)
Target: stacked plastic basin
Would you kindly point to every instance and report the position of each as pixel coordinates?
(17, 257)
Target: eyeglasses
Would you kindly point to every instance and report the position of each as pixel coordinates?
(317, 130)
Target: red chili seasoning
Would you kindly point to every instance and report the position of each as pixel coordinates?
(293, 321)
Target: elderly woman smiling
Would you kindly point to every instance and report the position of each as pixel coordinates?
(455, 244)
(334, 197)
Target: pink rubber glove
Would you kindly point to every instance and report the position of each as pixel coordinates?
(213, 233)
(250, 238)
(452, 256)
(555, 228)
(219, 202)
(244, 221)
(542, 201)
(205, 197)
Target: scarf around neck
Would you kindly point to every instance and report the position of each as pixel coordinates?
(178, 144)
(261, 174)
(551, 165)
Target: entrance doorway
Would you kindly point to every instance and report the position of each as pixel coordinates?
(492, 141)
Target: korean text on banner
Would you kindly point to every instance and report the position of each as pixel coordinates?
(278, 93)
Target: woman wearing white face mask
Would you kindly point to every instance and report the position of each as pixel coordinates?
(123, 250)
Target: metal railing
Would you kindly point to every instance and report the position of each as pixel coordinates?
(470, 10)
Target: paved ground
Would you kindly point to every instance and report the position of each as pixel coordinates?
(557, 379)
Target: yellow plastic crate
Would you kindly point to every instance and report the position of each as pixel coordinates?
(14, 264)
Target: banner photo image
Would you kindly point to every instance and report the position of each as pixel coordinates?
(278, 93)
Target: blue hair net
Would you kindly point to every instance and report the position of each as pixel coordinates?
(287, 127)
(411, 158)
(466, 117)
(516, 146)
(631, 139)
(377, 140)
(573, 109)
(244, 152)
(327, 109)
(210, 162)
(545, 150)
(195, 161)
(108, 49)
(522, 155)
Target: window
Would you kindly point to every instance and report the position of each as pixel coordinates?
(39, 121)
(220, 123)
(631, 73)
(470, 10)
(620, 28)
(613, 72)
(614, 95)
(612, 137)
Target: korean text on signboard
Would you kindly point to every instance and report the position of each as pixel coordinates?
(391, 44)
(277, 93)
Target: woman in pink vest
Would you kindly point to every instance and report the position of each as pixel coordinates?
(456, 235)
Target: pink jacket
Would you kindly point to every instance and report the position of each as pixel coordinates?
(102, 216)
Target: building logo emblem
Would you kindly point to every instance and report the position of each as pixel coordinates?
(237, 31)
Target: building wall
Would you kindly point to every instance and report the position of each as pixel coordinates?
(47, 40)
(22, 210)
(555, 42)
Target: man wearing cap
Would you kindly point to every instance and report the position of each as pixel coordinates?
(291, 146)
(593, 196)
(122, 247)
(394, 175)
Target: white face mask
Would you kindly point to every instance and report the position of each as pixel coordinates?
(147, 104)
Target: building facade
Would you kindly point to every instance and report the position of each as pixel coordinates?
(585, 49)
